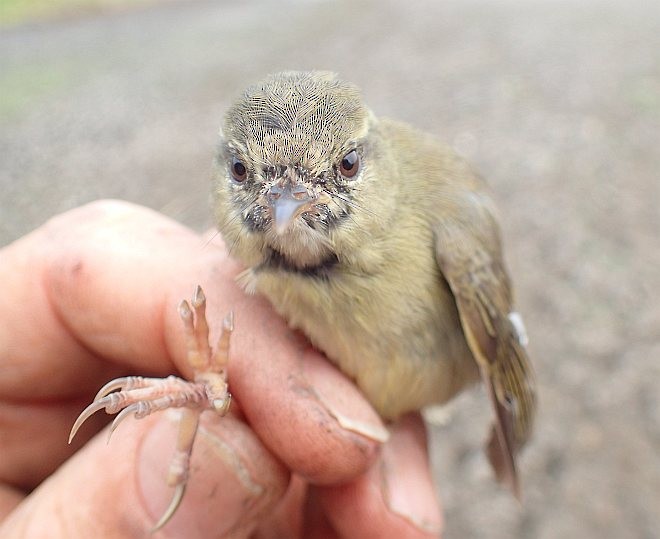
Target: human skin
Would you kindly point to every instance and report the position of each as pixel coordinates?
(91, 296)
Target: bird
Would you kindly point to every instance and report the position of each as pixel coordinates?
(376, 241)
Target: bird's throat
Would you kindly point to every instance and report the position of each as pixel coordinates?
(275, 260)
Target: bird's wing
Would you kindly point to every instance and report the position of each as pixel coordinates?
(469, 257)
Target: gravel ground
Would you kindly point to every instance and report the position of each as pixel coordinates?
(557, 103)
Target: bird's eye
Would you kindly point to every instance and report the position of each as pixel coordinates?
(350, 164)
(238, 170)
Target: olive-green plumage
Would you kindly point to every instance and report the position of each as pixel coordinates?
(380, 244)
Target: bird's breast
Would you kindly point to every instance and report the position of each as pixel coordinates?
(398, 336)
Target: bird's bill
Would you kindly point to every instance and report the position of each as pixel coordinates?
(286, 203)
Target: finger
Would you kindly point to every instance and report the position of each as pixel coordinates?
(9, 499)
(49, 372)
(293, 401)
(118, 490)
(395, 498)
(286, 518)
(113, 273)
(272, 369)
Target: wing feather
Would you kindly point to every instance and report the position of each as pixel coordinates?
(469, 257)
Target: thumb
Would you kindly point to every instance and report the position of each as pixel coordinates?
(119, 490)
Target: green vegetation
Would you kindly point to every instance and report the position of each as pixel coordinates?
(14, 12)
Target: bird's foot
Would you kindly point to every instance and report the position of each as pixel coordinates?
(142, 396)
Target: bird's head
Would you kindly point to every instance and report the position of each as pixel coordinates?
(293, 165)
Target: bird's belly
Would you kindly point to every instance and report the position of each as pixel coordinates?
(400, 362)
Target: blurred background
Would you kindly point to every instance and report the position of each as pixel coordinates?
(557, 103)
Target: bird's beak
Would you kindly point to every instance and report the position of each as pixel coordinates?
(287, 202)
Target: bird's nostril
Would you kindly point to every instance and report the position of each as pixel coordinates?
(293, 192)
(275, 192)
(299, 191)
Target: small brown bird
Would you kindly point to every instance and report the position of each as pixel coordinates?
(379, 244)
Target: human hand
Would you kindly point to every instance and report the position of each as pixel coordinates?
(91, 296)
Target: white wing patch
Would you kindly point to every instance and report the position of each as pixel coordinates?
(519, 327)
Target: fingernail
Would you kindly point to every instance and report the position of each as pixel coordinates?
(349, 408)
(215, 480)
(408, 490)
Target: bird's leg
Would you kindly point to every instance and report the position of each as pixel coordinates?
(142, 396)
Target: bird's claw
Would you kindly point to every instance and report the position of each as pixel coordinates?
(139, 396)
(179, 491)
